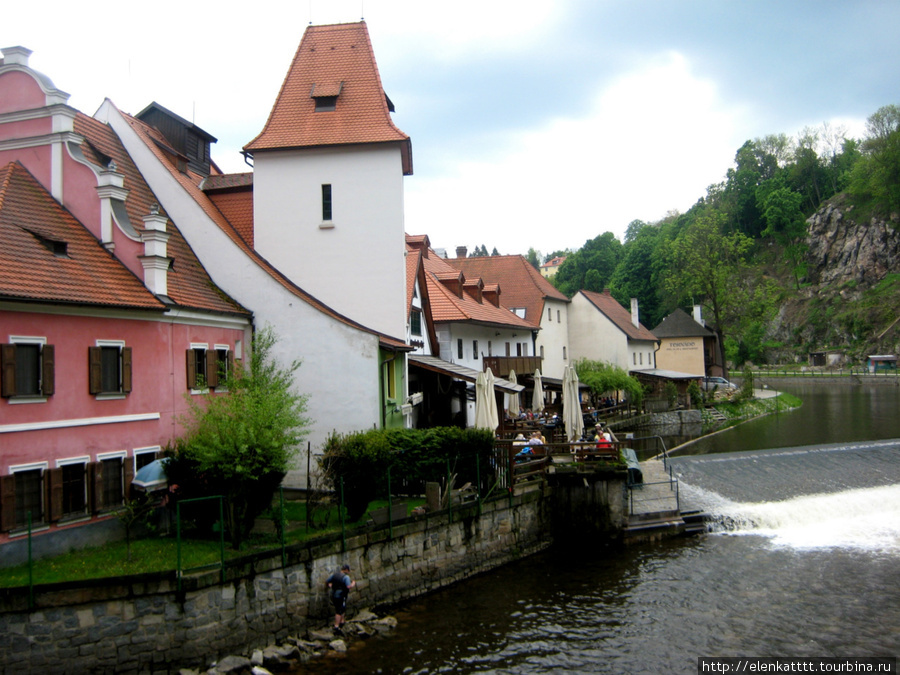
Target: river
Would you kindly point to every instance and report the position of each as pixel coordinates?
(811, 573)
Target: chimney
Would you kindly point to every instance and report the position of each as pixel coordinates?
(697, 316)
(16, 55)
(110, 188)
(461, 251)
(155, 260)
(634, 313)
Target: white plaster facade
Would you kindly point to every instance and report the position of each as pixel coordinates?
(552, 342)
(340, 363)
(592, 335)
(353, 262)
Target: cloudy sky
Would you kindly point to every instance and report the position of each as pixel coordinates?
(534, 124)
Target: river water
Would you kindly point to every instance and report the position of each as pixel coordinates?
(811, 569)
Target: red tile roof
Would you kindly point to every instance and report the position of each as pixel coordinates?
(236, 206)
(191, 182)
(334, 60)
(189, 285)
(620, 316)
(448, 306)
(522, 285)
(80, 272)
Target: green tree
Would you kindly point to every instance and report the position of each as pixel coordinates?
(241, 443)
(785, 222)
(707, 265)
(638, 272)
(606, 378)
(600, 254)
(876, 175)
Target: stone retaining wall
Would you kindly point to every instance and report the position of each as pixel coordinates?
(144, 624)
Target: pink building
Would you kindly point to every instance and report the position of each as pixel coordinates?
(108, 321)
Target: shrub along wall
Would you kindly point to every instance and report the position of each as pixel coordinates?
(144, 624)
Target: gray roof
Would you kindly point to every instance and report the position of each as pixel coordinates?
(680, 324)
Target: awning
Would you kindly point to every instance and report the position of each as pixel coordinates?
(436, 365)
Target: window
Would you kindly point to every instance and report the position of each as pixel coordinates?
(73, 488)
(26, 368)
(29, 496)
(642, 358)
(325, 103)
(459, 348)
(557, 317)
(542, 351)
(633, 359)
(507, 349)
(475, 349)
(518, 349)
(109, 365)
(144, 456)
(326, 201)
(208, 367)
(564, 354)
(490, 353)
(415, 323)
(549, 314)
(109, 481)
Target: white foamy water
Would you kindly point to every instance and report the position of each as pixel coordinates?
(867, 518)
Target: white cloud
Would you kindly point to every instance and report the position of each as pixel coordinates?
(653, 141)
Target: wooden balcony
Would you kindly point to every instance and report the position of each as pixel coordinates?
(501, 365)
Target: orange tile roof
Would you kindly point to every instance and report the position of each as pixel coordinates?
(80, 272)
(522, 285)
(236, 206)
(447, 306)
(188, 283)
(620, 316)
(331, 60)
(191, 184)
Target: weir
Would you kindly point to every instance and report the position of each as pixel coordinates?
(839, 495)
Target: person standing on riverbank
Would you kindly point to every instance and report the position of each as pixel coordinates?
(340, 584)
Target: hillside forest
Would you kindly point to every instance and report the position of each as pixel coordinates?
(760, 253)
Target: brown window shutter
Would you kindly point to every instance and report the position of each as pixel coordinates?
(129, 476)
(212, 368)
(48, 370)
(95, 372)
(7, 502)
(55, 493)
(7, 370)
(97, 484)
(191, 370)
(126, 369)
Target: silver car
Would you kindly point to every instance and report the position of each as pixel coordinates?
(710, 383)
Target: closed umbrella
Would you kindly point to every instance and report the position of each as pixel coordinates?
(572, 418)
(513, 398)
(485, 402)
(537, 399)
(492, 400)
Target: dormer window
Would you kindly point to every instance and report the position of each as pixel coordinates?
(326, 103)
(325, 95)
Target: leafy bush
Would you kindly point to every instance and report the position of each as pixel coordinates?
(414, 456)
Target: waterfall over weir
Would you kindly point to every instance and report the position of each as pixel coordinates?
(842, 495)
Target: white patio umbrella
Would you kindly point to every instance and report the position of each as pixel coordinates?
(513, 398)
(572, 418)
(485, 404)
(537, 399)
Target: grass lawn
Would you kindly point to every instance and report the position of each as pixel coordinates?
(158, 554)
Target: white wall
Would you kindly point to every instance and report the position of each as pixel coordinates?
(553, 336)
(340, 364)
(593, 336)
(354, 263)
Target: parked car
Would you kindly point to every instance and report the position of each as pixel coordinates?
(710, 383)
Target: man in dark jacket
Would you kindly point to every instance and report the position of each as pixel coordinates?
(340, 584)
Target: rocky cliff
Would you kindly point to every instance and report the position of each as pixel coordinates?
(851, 296)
